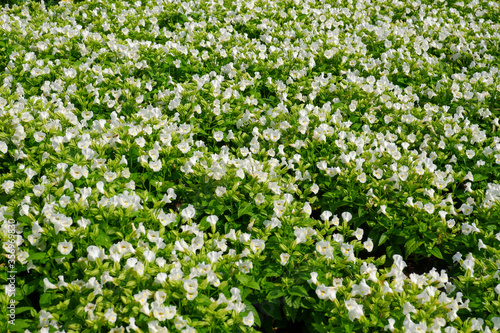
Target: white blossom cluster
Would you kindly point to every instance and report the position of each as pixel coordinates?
(174, 165)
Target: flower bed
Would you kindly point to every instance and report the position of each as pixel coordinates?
(250, 166)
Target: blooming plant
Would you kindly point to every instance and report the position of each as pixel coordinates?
(249, 166)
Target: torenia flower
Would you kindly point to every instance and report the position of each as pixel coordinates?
(324, 292)
(390, 326)
(39, 136)
(110, 176)
(212, 219)
(284, 257)
(65, 247)
(378, 173)
(324, 248)
(179, 322)
(257, 244)
(361, 178)
(249, 319)
(220, 190)
(259, 199)
(362, 289)
(3, 147)
(346, 216)
(95, 252)
(48, 285)
(110, 316)
(307, 208)
(38, 190)
(314, 278)
(188, 212)
(335, 220)
(355, 309)
(429, 208)
(8, 185)
(218, 136)
(325, 216)
(170, 312)
(358, 233)
(245, 266)
(155, 166)
(368, 245)
(191, 285)
(466, 209)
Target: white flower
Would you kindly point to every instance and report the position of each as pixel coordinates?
(65, 247)
(110, 176)
(497, 289)
(259, 199)
(466, 209)
(314, 278)
(378, 173)
(355, 310)
(191, 285)
(245, 266)
(220, 190)
(361, 178)
(212, 219)
(314, 188)
(408, 308)
(307, 208)
(324, 292)
(324, 248)
(390, 325)
(38, 190)
(188, 212)
(249, 319)
(257, 244)
(284, 257)
(76, 172)
(8, 185)
(368, 245)
(429, 208)
(218, 136)
(358, 233)
(362, 289)
(48, 285)
(39, 136)
(325, 216)
(110, 316)
(346, 216)
(184, 147)
(155, 165)
(3, 147)
(95, 252)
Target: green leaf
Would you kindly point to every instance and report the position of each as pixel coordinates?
(245, 209)
(45, 300)
(103, 240)
(244, 279)
(269, 272)
(275, 294)
(412, 245)
(290, 312)
(253, 284)
(37, 256)
(298, 291)
(382, 239)
(23, 308)
(436, 252)
(19, 325)
(478, 177)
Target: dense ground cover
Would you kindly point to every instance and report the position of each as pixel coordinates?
(220, 166)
